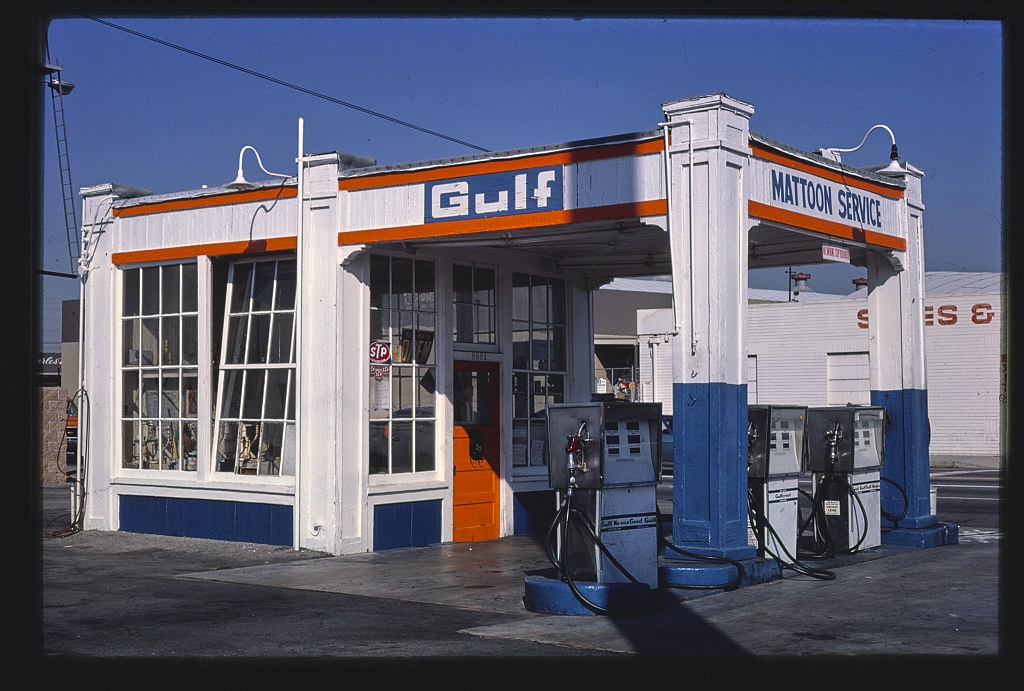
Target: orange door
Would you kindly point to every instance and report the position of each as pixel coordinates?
(475, 487)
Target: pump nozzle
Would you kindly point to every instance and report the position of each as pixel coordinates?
(575, 451)
(833, 437)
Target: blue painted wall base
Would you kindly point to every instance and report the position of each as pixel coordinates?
(532, 512)
(234, 521)
(406, 524)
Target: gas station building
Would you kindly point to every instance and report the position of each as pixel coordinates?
(359, 357)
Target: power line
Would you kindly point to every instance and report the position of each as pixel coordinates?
(286, 84)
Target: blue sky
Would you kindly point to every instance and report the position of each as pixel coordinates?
(168, 118)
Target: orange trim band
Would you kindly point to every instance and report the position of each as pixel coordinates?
(594, 153)
(654, 207)
(818, 225)
(826, 173)
(204, 202)
(210, 250)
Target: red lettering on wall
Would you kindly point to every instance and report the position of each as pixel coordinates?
(944, 315)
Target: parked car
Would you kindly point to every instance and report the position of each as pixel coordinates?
(667, 445)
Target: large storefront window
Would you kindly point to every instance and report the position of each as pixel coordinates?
(538, 362)
(403, 318)
(474, 289)
(159, 367)
(255, 431)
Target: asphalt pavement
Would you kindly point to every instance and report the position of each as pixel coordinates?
(130, 598)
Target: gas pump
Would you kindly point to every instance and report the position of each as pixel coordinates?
(775, 448)
(845, 450)
(603, 460)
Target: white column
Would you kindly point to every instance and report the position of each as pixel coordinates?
(896, 299)
(707, 157)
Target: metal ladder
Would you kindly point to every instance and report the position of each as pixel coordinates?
(57, 90)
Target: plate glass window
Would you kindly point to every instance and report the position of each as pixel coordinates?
(255, 428)
(538, 363)
(403, 315)
(159, 367)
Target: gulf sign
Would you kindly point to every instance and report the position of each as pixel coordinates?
(494, 194)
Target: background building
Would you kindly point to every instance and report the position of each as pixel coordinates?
(809, 348)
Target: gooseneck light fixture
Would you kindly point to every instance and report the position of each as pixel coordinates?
(894, 158)
(240, 183)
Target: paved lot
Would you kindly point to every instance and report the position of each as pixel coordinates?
(139, 598)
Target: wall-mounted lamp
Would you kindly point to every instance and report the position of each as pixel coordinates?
(63, 88)
(54, 82)
(240, 183)
(894, 158)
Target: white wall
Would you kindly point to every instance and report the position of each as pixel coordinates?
(794, 343)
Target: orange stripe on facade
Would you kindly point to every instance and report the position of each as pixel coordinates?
(818, 225)
(826, 173)
(594, 153)
(209, 250)
(207, 201)
(654, 207)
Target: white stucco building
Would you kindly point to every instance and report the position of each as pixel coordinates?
(813, 349)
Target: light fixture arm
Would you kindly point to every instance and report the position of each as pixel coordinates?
(240, 179)
(893, 155)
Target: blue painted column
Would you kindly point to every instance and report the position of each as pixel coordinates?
(897, 354)
(707, 153)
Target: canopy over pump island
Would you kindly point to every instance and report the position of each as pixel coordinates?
(360, 357)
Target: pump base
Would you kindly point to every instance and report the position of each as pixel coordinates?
(701, 574)
(934, 536)
(554, 596)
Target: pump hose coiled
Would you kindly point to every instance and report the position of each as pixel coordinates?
(562, 517)
(895, 520)
(757, 518)
(730, 585)
(817, 510)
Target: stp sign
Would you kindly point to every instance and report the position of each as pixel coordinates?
(380, 353)
(380, 359)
